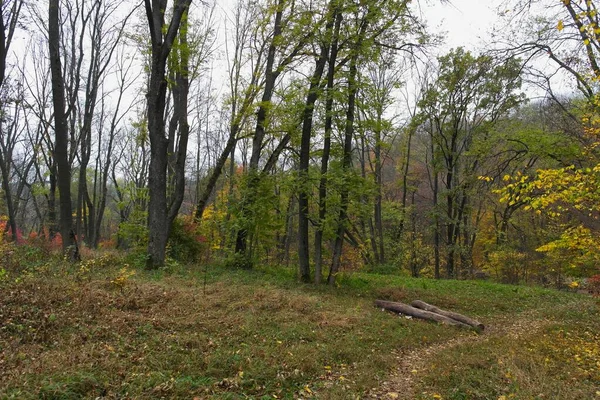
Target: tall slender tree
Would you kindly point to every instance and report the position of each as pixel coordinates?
(288, 49)
(469, 96)
(162, 38)
(8, 24)
(314, 93)
(242, 96)
(61, 135)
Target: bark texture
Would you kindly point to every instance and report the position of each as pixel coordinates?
(61, 136)
(459, 317)
(418, 313)
(162, 43)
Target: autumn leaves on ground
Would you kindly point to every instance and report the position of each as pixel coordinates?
(107, 329)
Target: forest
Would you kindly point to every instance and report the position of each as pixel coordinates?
(325, 135)
(218, 199)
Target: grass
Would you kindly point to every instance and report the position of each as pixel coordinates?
(73, 332)
(558, 362)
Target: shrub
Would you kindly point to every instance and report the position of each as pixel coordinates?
(507, 265)
(186, 244)
(239, 261)
(133, 233)
(593, 285)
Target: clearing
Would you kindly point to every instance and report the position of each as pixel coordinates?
(258, 334)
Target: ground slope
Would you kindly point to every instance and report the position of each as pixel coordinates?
(259, 334)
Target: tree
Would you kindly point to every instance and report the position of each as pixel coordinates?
(376, 98)
(8, 24)
(103, 42)
(106, 145)
(313, 94)
(566, 196)
(467, 99)
(565, 33)
(242, 94)
(162, 38)
(38, 100)
(328, 129)
(362, 25)
(61, 142)
(287, 48)
(375, 26)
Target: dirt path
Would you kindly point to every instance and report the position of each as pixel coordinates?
(401, 383)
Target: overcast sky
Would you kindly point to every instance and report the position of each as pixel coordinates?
(467, 22)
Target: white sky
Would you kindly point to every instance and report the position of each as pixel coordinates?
(467, 22)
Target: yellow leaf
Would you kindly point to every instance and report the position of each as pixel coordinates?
(586, 42)
(437, 396)
(560, 26)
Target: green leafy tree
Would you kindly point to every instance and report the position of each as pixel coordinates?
(470, 94)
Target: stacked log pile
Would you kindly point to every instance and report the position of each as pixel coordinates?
(422, 310)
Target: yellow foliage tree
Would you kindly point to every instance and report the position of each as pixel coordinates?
(570, 196)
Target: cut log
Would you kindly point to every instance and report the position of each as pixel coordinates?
(417, 313)
(459, 317)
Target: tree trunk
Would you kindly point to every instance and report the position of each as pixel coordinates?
(414, 263)
(180, 110)
(451, 226)
(51, 198)
(162, 43)
(459, 317)
(61, 132)
(405, 309)
(377, 212)
(346, 165)
(5, 157)
(326, 149)
(307, 122)
(436, 217)
(4, 168)
(241, 242)
(405, 171)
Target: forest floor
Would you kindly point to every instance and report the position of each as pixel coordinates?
(404, 379)
(96, 331)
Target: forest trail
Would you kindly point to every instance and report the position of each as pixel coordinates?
(401, 383)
